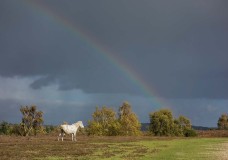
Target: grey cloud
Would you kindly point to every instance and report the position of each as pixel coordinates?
(42, 82)
(178, 47)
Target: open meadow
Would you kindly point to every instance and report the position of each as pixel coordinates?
(142, 147)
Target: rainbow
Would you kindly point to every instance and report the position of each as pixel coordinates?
(43, 9)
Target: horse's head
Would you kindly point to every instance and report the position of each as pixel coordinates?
(80, 124)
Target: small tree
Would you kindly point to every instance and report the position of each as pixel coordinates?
(130, 124)
(161, 123)
(184, 126)
(32, 120)
(104, 122)
(223, 121)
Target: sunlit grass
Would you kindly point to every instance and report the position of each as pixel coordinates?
(189, 149)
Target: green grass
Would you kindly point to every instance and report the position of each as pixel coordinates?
(166, 149)
(112, 148)
(187, 149)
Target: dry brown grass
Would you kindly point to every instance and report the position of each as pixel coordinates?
(47, 146)
(213, 133)
(39, 147)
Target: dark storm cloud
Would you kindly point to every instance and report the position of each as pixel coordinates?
(11, 112)
(178, 47)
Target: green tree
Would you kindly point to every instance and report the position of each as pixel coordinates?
(161, 123)
(223, 121)
(184, 126)
(32, 120)
(104, 122)
(129, 122)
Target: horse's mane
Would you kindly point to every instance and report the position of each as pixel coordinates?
(77, 123)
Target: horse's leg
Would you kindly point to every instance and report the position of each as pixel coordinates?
(75, 137)
(72, 136)
(62, 134)
(59, 136)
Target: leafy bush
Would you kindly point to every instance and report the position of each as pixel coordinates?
(49, 129)
(18, 130)
(190, 133)
(6, 128)
(162, 123)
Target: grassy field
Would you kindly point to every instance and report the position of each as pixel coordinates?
(47, 147)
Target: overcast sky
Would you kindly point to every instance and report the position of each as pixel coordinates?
(67, 57)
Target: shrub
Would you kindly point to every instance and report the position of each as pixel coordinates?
(49, 129)
(190, 133)
(162, 123)
(6, 128)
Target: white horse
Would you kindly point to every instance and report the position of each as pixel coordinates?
(70, 129)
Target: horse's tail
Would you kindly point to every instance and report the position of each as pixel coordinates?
(62, 132)
(60, 129)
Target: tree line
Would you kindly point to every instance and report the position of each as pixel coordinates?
(106, 122)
